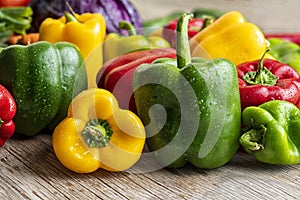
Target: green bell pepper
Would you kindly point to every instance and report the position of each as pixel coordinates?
(190, 107)
(286, 52)
(272, 132)
(42, 78)
(116, 45)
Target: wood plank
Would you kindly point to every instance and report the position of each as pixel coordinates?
(29, 170)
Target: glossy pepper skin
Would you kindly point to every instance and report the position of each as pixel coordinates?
(230, 37)
(265, 80)
(191, 107)
(98, 134)
(42, 77)
(286, 52)
(116, 75)
(86, 31)
(8, 111)
(116, 45)
(195, 25)
(272, 132)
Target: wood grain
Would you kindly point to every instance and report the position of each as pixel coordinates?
(30, 170)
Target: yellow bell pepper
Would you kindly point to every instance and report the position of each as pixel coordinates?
(98, 134)
(87, 30)
(230, 37)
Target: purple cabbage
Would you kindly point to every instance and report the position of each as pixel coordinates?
(113, 11)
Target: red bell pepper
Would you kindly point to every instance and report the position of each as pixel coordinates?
(116, 75)
(265, 80)
(9, 3)
(194, 26)
(292, 37)
(7, 112)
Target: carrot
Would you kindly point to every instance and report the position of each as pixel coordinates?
(24, 39)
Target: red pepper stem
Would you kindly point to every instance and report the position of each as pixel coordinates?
(262, 75)
(182, 41)
(1, 122)
(261, 63)
(125, 25)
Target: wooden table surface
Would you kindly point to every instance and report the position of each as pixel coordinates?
(30, 170)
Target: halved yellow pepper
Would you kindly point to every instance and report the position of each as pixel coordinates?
(98, 134)
(230, 37)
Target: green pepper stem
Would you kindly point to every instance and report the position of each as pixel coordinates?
(97, 133)
(208, 20)
(70, 17)
(253, 139)
(182, 41)
(125, 25)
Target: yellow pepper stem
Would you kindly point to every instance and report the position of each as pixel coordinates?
(97, 133)
(70, 17)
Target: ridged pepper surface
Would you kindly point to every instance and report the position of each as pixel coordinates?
(190, 107)
(42, 78)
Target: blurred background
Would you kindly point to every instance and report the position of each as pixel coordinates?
(270, 16)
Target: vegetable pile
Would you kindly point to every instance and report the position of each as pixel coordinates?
(194, 87)
(113, 11)
(14, 20)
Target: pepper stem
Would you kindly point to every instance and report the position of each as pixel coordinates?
(97, 133)
(208, 20)
(125, 25)
(1, 122)
(253, 139)
(262, 76)
(261, 63)
(70, 17)
(182, 40)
